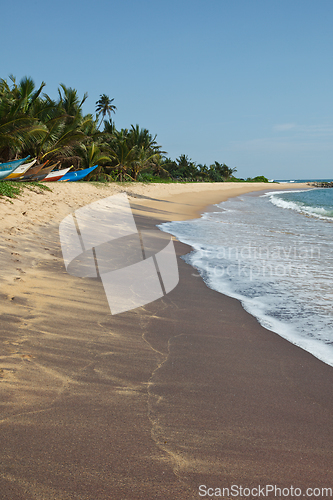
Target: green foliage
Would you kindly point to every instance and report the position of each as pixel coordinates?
(9, 190)
(12, 189)
(220, 172)
(259, 178)
(146, 177)
(35, 186)
(105, 107)
(31, 123)
(184, 169)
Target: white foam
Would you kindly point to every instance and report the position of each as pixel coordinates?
(259, 307)
(319, 212)
(272, 193)
(297, 307)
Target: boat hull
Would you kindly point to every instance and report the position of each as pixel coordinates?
(41, 174)
(56, 175)
(12, 165)
(20, 171)
(32, 172)
(4, 173)
(78, 175)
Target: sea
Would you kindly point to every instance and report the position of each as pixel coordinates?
(273, 252)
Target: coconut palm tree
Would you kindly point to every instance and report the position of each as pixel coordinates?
(25, 94)
(66, 126)
(187, 169)
(144, 159)
(70, 102)
(220, 171)
(18, 126)
(203, 173)
(16, 134)
(92, 155)
(143, 139)
(105, 107)
(109, 127)
(122, 154)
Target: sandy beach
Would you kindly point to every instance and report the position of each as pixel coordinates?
(188, 390)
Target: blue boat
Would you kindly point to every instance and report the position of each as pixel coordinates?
(10, 167)
(78, 175)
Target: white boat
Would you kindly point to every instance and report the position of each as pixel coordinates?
(21, 170)
(56, 174)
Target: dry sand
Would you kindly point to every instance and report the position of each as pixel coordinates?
(188, 200)
(151, 403)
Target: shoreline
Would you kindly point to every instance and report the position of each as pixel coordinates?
(151, 403)
(31, 209)
(319, 350)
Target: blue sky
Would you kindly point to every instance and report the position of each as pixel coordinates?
(248, 83)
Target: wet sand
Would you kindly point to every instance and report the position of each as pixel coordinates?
(150, 403)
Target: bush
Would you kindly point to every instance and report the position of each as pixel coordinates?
(259, 178)
(148, 177)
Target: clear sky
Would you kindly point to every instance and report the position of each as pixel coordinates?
(244, 82)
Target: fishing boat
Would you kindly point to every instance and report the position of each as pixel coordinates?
(78, 175)
(21, 170)
(42, 173)
(33, 171)
(10, 167)
(5, 173)
(56, 175)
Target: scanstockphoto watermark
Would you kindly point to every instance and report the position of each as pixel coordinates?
(101, 240)
(267, 491)
(251, 261)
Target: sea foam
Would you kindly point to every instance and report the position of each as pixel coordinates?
(277, 262)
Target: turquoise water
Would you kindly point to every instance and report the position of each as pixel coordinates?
(316, 202)
(304, 180)
(274, 253)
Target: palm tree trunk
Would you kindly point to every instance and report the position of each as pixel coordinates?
(100, 123)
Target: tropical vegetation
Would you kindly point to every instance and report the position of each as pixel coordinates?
(13, 189)
(32, 123)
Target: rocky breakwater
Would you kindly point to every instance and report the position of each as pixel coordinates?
(321, 184)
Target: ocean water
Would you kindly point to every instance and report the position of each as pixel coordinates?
(274, 253)
(302, 180)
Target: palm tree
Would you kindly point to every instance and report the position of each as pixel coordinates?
(66, 126)
(24, 93)
(19, 129)
(70, 103)
(91, 155)
(203, 173)
(122, 153)
(148, 152)
(104, 107)
(16, 134)
(144, 159)
(222, 170)
(143, 139)
(187, 168)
